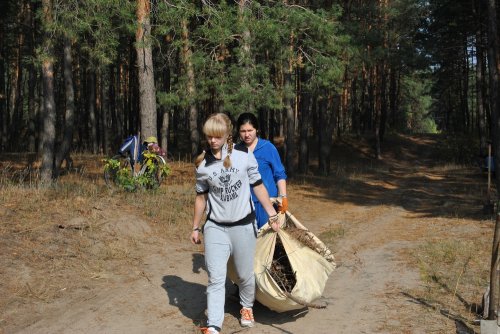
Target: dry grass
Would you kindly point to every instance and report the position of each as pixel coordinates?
(455, 273)
(80, 234)
(443, 221)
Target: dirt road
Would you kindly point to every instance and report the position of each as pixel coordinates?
(373, 215)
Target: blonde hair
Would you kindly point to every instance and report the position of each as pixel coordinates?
(218, 125)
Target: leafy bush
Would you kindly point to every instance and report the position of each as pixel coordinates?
(149, 177)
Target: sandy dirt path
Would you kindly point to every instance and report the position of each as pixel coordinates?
(381, 219)
(168, 293)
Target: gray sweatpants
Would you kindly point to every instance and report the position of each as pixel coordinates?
(221, 242)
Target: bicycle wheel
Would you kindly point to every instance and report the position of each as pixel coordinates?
(117, 166)
(151, 172)
(160, 162)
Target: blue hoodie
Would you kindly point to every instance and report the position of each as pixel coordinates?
(271, 171)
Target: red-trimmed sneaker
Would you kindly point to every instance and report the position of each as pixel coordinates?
(247, 319)
(208, 330)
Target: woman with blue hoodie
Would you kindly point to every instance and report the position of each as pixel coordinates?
(271, 169)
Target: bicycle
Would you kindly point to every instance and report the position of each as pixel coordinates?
(120, 170)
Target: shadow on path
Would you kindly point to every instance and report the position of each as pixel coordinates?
(413, 174)
(189, 297)
(462, 325)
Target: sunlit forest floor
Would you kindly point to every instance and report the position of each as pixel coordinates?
(411, 234)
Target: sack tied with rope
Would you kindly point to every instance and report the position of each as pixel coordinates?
(291, 266)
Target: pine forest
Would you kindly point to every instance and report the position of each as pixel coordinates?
(80, 76)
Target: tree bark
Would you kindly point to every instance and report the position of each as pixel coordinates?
(289, 110)
(15, 71)
(17, 108)
(483, 132)
(111, 124)
(383, 102)
(32, 81)
(245, 53)
(305, 112)
(356, 110)
(3, 92)
(378, 110)
(326, 110)
(147, 91)
(92, 110)
(49, 117)
(69, 118)
(393, 96)
(494, 70)
(165, 114)
(191, 89)
(344, 107)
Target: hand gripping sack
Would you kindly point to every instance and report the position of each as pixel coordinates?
(291, 266)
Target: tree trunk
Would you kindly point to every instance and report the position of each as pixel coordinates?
(32, 105)
(290, 115)
(393, 95)
(483, 132)
(41, 116)
(111, 125)
(193, 110)
(120, 96)
(494, 70)
(131, 90)
(356, 112)
(69, 118)
(367, 100)
(378, 110)
(147, 91)
(464, 82)
(15, 71)
(92, 110)
(49, 117)
(99, 110)
(17, 110)
(344, 107)
(245, 54)
(165, 114)
(3, 93)
(326, 111)
(305, 111)
(383, 100)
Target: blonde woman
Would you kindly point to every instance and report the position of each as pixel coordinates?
(224, 176)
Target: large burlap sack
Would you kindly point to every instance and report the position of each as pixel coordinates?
(310, 260)
(307, 257)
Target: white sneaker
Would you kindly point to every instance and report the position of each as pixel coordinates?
(247, 319)
(209, 330)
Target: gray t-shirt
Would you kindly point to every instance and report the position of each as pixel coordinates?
(228, 189)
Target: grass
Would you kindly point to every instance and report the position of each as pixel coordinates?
(454, 271)
(79, 233)
(332, 235)
(66, 237)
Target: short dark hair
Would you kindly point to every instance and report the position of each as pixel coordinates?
(245, 118)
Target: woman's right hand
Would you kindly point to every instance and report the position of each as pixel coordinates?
(274, 222)
(195, 237)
